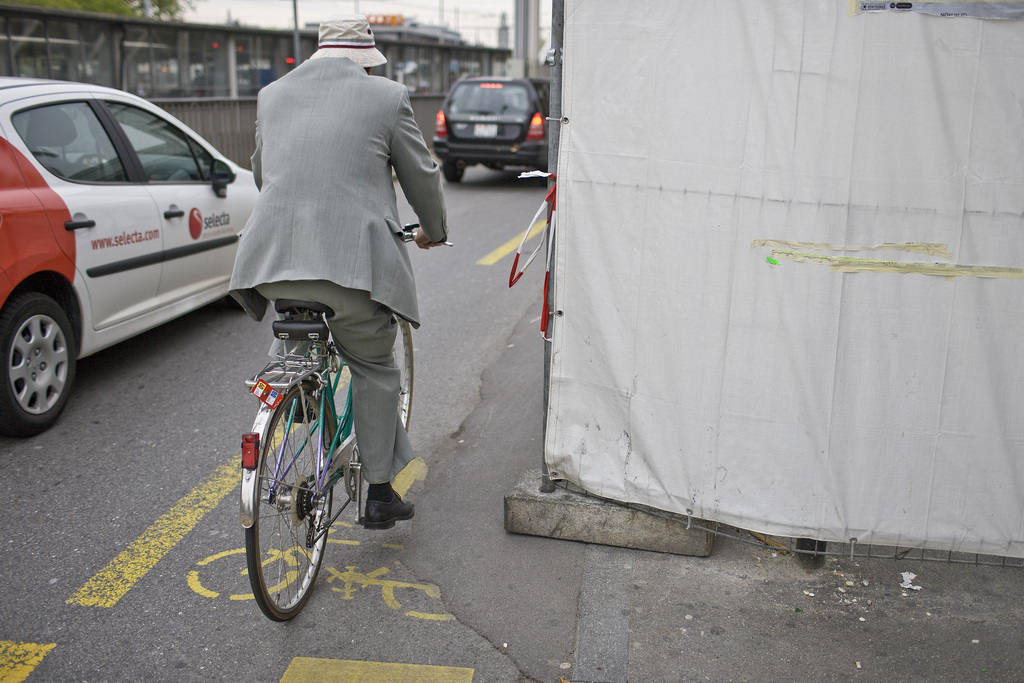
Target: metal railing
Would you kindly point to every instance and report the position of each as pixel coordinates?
(230, 124)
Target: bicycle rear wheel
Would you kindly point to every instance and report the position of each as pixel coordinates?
(283, 548)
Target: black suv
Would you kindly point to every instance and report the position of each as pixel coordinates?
(496, 122)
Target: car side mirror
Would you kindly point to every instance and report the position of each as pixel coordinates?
(222, 177)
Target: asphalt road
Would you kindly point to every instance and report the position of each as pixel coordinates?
(122, 546)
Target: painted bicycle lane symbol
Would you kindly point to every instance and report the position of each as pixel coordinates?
(348, 582)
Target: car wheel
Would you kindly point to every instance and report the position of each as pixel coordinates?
(452, 170)
(39, 355)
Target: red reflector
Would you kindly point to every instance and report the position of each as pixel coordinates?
(536, 131)
(250, 450)
(440, 127)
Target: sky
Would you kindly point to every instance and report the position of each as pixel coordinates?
(476, 20)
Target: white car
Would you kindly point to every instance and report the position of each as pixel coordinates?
(114, 218)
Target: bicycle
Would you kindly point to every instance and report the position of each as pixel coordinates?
(300, 446)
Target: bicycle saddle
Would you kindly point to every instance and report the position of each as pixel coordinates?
(292, 306)
(290, 328)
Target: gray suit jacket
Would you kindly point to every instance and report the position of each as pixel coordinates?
(328, 136)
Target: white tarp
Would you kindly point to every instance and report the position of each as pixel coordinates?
(751, 195)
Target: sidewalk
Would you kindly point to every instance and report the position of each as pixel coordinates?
(598, 614)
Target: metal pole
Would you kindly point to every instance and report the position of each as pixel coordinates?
(232, 67)
(554, 132)
(295, 14)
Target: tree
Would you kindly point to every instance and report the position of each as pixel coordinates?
(159, 9)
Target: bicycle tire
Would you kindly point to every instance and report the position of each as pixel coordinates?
(404, 359)
(282, 567)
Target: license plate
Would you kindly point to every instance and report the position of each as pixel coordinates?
(485, 130)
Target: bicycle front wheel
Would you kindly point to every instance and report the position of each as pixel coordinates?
(284, 547)
(403, 357)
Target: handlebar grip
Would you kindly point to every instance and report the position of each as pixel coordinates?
(409, 232)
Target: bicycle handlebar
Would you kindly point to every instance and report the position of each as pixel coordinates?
(409, 233)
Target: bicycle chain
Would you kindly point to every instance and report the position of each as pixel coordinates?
(311, 532)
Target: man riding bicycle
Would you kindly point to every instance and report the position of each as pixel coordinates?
(325, 227)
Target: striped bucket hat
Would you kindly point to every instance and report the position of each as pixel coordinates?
(349, 35)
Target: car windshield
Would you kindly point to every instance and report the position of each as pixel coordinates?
(492, 98)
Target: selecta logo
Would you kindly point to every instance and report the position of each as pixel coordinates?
(197, 224)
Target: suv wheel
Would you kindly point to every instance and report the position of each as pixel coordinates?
(37, 347)
(453, 170)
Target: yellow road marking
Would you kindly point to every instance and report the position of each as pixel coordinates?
(430, 616)
(353, 580)
(415, 471)
(193, 583)
(510, 246)
(193, 577)
(125, 570)
(17, 660)
(345, 671)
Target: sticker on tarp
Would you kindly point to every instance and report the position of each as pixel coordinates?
(266, 393)
(978, 9)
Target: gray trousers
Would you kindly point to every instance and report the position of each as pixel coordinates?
(365, 334)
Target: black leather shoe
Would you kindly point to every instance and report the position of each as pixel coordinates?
(384, 514)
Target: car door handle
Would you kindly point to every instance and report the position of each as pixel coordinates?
(78, 225)
(173, 213)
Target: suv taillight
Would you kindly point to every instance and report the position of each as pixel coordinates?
(440, 129)
(536, 131)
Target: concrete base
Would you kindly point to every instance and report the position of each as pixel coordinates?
(578, 517)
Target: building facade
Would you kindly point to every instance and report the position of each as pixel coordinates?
(168, 60)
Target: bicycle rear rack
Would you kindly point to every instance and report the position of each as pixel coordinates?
(281, 374)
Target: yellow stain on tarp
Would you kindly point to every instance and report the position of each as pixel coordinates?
(931, 248)
(513, 244)
(17, 660)
(125, 570)
(303, 669)
(844, 264)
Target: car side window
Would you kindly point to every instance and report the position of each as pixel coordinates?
(166, 153)
(69, 141)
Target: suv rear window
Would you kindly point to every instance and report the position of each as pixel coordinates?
(491, 98)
